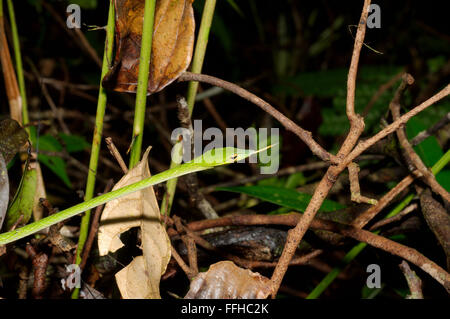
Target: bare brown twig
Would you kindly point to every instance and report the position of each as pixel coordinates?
(382, 89)
(402, 120)
(94, 228)
(395, 218)
(353, 170)
(369, 214)
(182, 264)
(296, 234)
(372, 239)
(414, 282)
(116, 154)
(409, 152)
(419, 138)
(304, 135)
(348, 152)
(40, 263)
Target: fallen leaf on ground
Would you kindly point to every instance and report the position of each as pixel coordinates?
(172, 44)
(140, 279)
(225, 280)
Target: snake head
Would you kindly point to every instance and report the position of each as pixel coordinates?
(226, 155)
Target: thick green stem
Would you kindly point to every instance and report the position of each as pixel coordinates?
(97, 138)
(197, 65)
(141, 93)
(354, 252)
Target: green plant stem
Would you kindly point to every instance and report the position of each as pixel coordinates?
(354, 252)
(19, 65)
(197, 65)
(141, 93)
(200, 50)
(97, 138)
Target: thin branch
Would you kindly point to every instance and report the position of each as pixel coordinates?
(381, 90)
(395, 218)
(355, 190)
(431, 131)
(94, 228)
(369, 214)
(40, 263)
(116, 154)
(363, 145)
(414, 282)
(296, 234)
(182, 264)
(409, 152)
(361, 235)
(197, 198)
(189, 242)
(304, 135)
(353, 70)
(296, 261)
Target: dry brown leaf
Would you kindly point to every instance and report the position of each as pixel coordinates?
(173, 43)
(225, 280)
(140, 279)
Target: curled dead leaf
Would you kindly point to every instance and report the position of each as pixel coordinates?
(225, 280)
(140, 279)
(172, 47)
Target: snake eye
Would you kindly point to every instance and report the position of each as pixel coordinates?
(234, 156)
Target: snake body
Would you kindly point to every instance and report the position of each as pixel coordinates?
(208, 160)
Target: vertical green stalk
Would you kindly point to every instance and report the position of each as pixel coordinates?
(200, 50)
(19, 67)
(197, 64)
(141, 93)
(354, 252)
(97, 138)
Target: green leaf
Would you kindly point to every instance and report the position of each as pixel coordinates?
(281, 196)
(236, 8)
(429, 150)
(295, 180)
(56, 164)
(74, 143)
(22, 204)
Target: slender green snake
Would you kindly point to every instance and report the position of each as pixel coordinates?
(210, 159)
